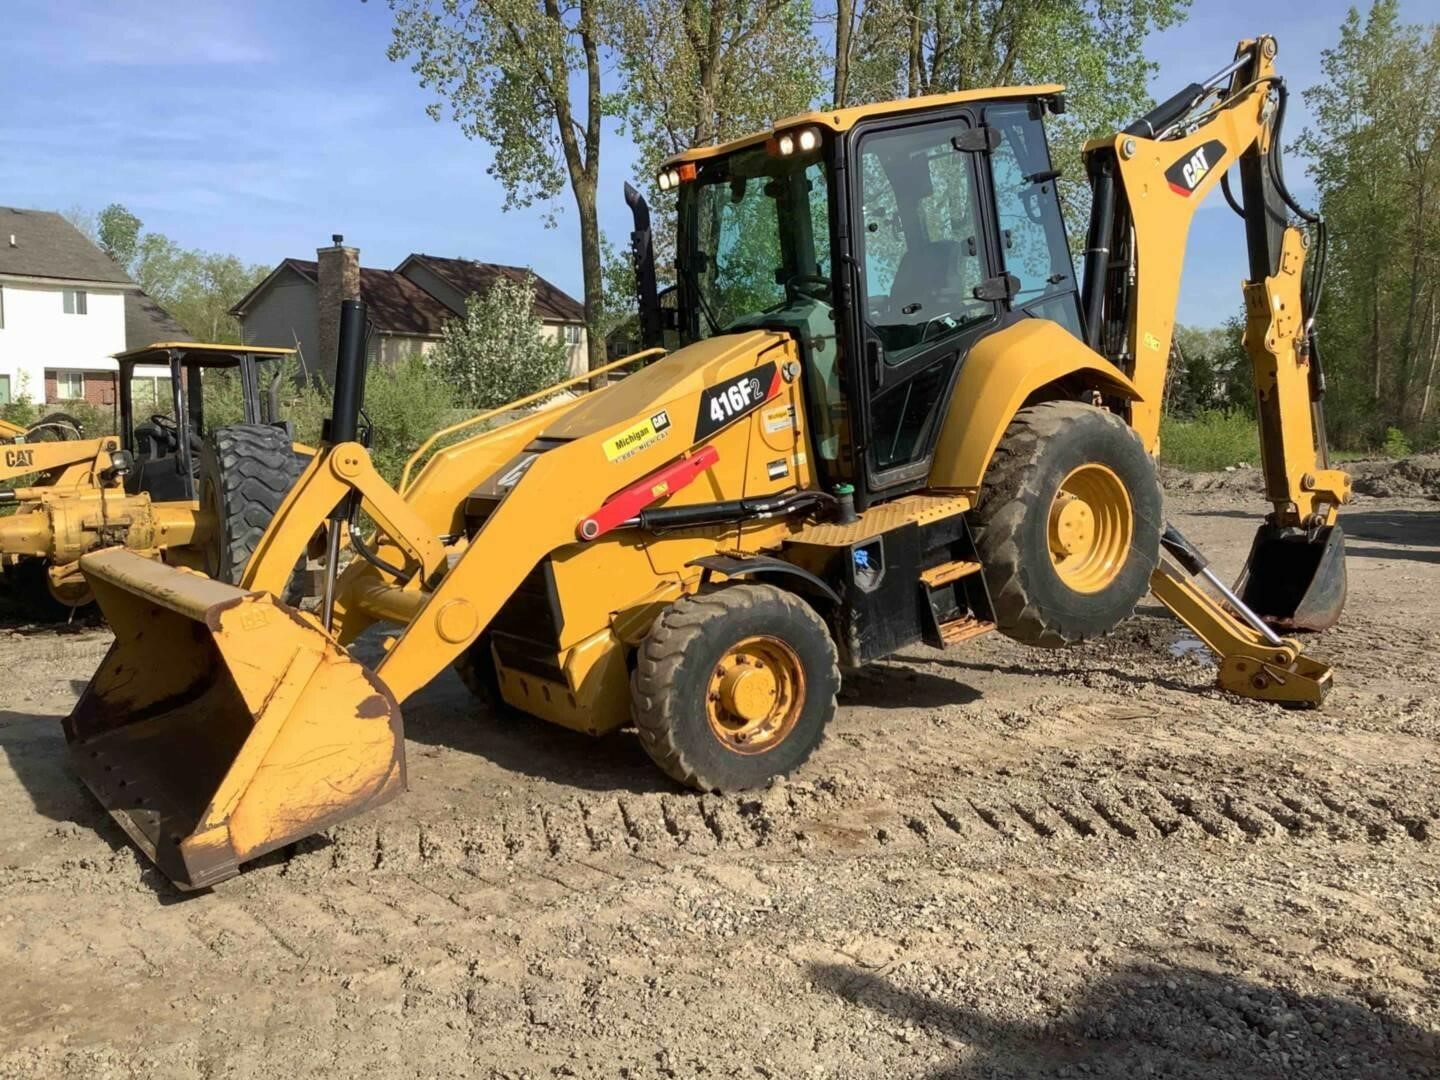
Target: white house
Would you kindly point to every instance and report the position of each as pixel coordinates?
(65, 310)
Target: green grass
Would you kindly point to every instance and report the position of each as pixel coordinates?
(1211, 441)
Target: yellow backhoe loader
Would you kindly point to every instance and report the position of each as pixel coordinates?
(895, 417)
(158, 488)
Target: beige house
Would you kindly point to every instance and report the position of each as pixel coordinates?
(298, 304)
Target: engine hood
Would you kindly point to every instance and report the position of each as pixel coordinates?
(684, 372)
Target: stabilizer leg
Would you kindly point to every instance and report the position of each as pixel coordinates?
(1255, 662)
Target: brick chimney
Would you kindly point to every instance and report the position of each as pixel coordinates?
(339, 279)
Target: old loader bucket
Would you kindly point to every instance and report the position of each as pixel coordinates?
(222, 724)
(1294, 581)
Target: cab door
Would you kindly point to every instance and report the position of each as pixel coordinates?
(925, 284)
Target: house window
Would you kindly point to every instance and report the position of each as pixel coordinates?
(69, 386)
(572, 334)
(75, 302)
(5, 398)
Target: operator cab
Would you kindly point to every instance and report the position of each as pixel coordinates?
(165, 444)
(888, 240)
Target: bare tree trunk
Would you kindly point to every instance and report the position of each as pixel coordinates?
(844, 33)
(1430, 374)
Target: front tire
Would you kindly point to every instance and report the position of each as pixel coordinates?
(735, 686)
(1068, 524)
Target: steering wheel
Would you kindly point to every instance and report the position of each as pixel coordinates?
(821, 291)
(164, 421)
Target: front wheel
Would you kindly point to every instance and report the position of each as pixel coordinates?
(1068, 524)
(734, 686)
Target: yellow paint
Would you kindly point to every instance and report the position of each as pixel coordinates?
(1000, 374)
(844, 119)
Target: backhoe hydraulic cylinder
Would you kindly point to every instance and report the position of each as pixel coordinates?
(1189, 556)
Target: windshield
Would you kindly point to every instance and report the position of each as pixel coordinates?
(755, 239)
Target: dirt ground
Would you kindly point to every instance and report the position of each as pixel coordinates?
(1001, 863)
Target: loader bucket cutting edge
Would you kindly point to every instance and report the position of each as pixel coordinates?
(222, 724)
(1294, 582)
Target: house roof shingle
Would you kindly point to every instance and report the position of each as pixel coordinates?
(470, 276)
(48, 246)
(146, 322)
(396, 304)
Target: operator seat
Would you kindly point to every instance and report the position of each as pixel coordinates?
(928, 283)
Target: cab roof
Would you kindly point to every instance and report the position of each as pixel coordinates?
(161, 350)
(844, 119)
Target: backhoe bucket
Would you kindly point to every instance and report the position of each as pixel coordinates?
(1294, 582)
(223, 724)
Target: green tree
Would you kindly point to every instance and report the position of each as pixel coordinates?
(119, 233)
(699, 72)
(906, 48)
(524, 77)
(1372, 151)
(498, 351)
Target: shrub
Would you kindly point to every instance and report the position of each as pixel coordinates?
(1396, 444)
(498, 352)
(1212, 440)
(406, 402)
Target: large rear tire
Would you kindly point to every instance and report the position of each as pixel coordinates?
(1068, 524)
(734, 686)
(245, 473)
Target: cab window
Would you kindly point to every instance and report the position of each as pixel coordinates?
(1033, 244)
(920, 240)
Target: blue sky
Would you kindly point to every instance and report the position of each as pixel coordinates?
(260, 128)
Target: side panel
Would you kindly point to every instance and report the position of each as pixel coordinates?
(1001, 372)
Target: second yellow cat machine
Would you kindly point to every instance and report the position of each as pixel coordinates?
(895, 416)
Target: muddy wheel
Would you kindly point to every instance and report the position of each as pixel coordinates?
(1068, 524)
(734, 686)
(57, 427)
(245, 473)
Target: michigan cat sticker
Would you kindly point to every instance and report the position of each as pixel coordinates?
(1185, 175)
(638, 437)
(727, 402)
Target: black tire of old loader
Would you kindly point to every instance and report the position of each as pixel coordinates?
(734, 686)
(245, 473)
(1068, 524)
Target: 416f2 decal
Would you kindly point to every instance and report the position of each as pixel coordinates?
(727, 402)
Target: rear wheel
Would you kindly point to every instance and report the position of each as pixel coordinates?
(1068, 524)
(735, 686)
(245, 473)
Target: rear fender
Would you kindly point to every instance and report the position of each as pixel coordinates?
(1001, 374)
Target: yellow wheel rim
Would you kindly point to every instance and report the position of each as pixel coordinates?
(1091, 528)
(755, 695)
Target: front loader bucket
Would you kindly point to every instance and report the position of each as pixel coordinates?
(1294, 582)
(223, 724)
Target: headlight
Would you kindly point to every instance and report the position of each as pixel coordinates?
(809, 139)
(664, 180)
(787, 145)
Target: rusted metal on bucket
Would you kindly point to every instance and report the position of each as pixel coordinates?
(1295, 581)
(221, 724)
